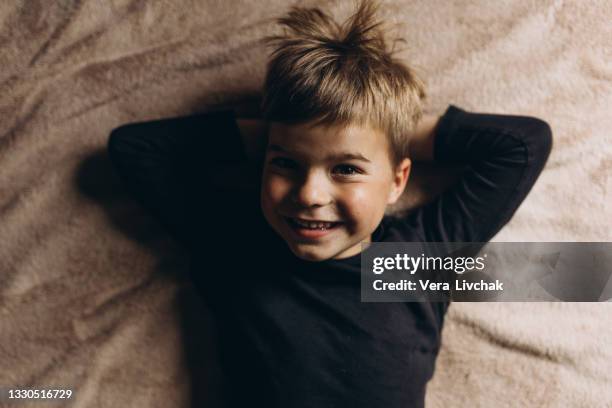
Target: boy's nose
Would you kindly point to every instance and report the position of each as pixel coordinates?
(312, 192)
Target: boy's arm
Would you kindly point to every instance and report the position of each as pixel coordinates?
(504, 155)
(172, 165)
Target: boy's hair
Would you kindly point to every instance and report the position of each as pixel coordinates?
(345, 74)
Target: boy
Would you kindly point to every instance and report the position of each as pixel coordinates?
(275, 212)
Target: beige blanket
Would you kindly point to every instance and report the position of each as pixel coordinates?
(94, 295)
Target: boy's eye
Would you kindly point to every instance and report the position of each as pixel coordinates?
(347, 170)
(282, 163)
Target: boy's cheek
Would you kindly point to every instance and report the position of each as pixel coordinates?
(367, 206)
(272, 195)
(362, 200)
(274, 189)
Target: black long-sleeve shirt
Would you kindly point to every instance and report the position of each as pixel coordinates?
(294, 333)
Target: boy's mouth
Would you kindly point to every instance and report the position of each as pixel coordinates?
(311, 229)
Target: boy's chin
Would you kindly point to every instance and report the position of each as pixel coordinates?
(315, 254)
(311, 254)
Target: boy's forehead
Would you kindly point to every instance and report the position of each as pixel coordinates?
(349, 137)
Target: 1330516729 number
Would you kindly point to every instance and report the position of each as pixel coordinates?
(43, 393)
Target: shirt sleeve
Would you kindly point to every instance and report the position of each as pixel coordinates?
(503, 154)
(166, 165)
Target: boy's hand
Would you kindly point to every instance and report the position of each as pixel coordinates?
(422, 142)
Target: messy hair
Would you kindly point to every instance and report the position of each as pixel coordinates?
(341, 74)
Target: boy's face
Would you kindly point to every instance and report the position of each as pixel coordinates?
(328, 175)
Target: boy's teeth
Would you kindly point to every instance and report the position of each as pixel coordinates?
(313, 224)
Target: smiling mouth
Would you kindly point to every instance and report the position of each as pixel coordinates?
(312, 225)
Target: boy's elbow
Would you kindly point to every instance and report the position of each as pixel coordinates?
(114, 139)
(120, 140)
(542, 139)
(536, 135)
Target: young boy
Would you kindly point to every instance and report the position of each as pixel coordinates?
(275, 212)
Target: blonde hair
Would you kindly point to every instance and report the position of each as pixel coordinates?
(335, 74)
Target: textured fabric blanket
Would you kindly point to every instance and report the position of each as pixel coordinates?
(94, 295)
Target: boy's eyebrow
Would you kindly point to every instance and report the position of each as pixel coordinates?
(333, 157)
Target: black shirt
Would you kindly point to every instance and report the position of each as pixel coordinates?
(294, 333)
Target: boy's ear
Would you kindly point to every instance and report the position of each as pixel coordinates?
(400, 177)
